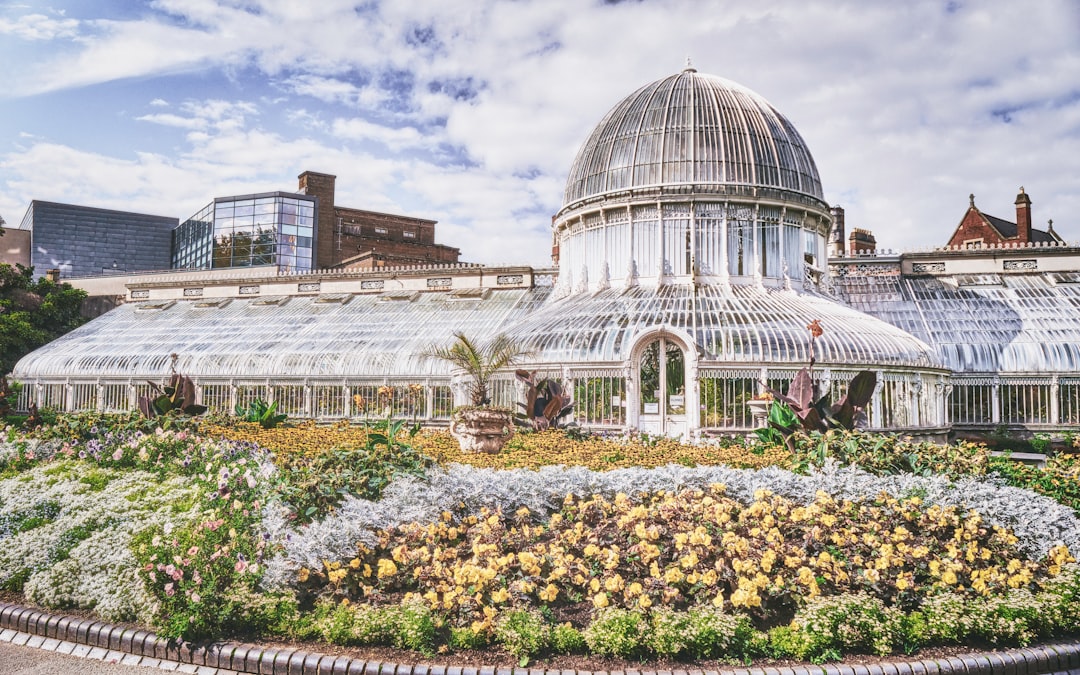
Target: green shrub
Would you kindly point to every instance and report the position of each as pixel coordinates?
(938, 621)
(699, 633)
(414, 627)
(710, 633)
(258, 411)
(466, 638)
(337, 627)
(406, 626)
(1059, 479)
(1061, 598)
(849, 623)
(1016, 618)
(889, 455)
(617, 632)
(669, 632)
(371, 625)
(565, 639)
(522, 632)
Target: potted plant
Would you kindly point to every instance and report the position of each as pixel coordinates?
(480, 427)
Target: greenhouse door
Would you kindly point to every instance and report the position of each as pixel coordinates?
(662, 395)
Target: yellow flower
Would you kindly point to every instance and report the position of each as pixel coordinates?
(303, 574)
(354, 563)
(500, 596)
(949, 577)
(673, 575)
(600, 600)
(549, 594)
(386, 568)
(644, 602)
(634, 590)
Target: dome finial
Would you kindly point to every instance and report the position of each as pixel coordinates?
(689, 66)
(971, 199)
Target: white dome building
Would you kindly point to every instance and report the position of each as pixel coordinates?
(691, 248)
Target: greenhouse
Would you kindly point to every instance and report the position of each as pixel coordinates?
(1005, 328)
(691, 253)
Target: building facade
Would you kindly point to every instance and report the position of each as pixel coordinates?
(274, 228)
(82, 241)
(358, 239)
(977, 229)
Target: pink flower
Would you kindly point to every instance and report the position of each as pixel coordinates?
(169, 569)
(194, 550)
(170, 590)
(118, 455)
(241, 565)
(195, 597)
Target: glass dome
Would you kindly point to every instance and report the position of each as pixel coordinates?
(692, 129)
(692, 179)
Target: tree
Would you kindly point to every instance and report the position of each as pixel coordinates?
(33, 313)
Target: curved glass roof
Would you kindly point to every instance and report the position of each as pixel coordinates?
(697, 129)
(376, 336)
(284, 337)
(740, 325)
(981, 323)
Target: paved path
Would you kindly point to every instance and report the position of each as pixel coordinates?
(16, 660)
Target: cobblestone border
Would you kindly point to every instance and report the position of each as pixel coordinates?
(99, 640)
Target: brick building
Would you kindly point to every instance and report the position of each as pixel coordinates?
(978, 229)
(358, 239)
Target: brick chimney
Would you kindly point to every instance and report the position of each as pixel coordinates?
(861, 242)
(321, 186)
(838, 233)
(1023, 217)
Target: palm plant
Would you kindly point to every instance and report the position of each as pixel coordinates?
(480, 360)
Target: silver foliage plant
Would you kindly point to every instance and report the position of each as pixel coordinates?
(1039, 522)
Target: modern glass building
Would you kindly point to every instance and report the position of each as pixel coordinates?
(274, 228)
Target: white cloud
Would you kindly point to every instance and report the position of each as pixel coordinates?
(39, 27)
(395, 138)
(470, 112)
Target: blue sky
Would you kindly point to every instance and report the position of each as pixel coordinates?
(470, 112)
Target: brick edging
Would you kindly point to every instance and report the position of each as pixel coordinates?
(1056, 659)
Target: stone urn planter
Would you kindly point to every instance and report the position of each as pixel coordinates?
(759, 411)
(482, 429)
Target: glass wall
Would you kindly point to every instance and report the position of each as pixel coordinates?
(273, 229)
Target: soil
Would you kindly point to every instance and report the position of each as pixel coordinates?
(500, 658)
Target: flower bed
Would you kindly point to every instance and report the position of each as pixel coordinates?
(725, 553)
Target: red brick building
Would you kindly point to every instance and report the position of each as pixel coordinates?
(357, 239)
(981, 229)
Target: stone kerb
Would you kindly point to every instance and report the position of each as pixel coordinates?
(99, 640)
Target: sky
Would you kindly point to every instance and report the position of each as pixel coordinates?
(470, 112)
